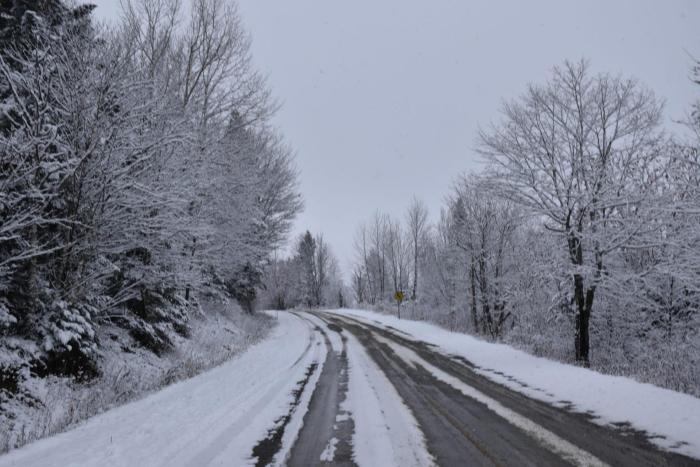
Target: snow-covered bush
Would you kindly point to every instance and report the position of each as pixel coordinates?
(6, 318)
(127, 371)
(153, 321)
(68, 341)
(15, 357)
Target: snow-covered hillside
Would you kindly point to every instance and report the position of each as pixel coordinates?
(127, 371)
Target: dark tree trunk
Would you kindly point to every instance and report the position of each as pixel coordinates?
(415, 269)
(487, 318)
(583, 298)
(187, 289)
(584, 305)
(472, 280)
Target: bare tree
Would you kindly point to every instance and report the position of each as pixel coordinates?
(323, 264)
(358, 284)
(417, 221)
(573, 152)
(442, 270)
(378, 238)
(364, 277)
(484, 229)
(397, 252)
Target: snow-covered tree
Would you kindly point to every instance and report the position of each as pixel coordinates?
(416, 223)
(574, 151)
(41, 48)
(138, 169)
(484, 229)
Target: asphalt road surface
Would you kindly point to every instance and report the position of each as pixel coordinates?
(492, 425)
(326, 389)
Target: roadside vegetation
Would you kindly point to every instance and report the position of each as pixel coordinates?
(578, 241)
(142, 189)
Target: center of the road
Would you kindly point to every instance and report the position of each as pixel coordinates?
(543, 436)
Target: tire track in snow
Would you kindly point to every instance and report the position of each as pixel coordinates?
(268, 447)
(325, 437)
(260, 398)
(604, 444)
(458, 431)
(275, 447)
(386, 433)
(554, 443)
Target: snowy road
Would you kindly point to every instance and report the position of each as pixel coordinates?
(327, 389)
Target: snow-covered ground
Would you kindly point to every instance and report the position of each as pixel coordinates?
(218, 417)
(212, 419)
(221, 416)
(672, 418)
(386, 433)
(128, 371)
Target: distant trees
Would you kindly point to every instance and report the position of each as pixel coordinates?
(442, 292)
(417, 222)
(306, 256)
(484, 229)
(280, 289)
(138, 169)
(309, 278)
(585, 223)
(397, 252)
(388, 255)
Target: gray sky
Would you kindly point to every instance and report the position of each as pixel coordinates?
(382, 99)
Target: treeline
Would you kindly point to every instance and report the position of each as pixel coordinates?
(580, 239)
(310, 277)
(137, 169)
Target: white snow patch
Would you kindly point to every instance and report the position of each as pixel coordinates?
(671, 418)
(386, 433)
(328, 453)
(214, 418)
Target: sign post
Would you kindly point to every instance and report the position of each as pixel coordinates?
(398, 296)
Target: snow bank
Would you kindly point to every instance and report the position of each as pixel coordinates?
(671, 418)
(214, 418)
(127, 371)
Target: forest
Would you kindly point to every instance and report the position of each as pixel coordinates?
(579, 240)
(140, 176)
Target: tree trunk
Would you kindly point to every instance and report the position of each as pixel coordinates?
(415, 268)
(584, 305)
(187, 289)
(472, 280)
(382, 272)
(583, 298)
(487, 319)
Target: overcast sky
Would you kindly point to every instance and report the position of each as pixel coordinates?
(382, 99)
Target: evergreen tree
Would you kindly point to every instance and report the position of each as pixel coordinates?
(306, 254)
